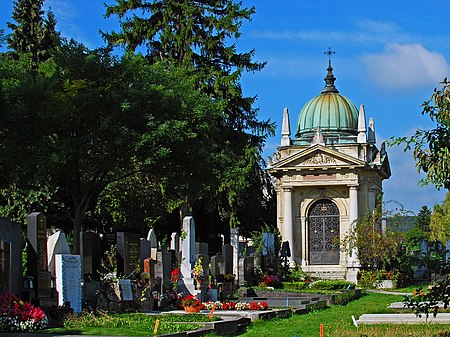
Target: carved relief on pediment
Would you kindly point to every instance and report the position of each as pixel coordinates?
(319, 159)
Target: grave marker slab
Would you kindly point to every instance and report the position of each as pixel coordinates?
(129, 252)
(90, 251)
(68, 280)
(56, 244)
(126, 289)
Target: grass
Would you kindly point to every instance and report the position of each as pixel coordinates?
(337, 322)
(128, 324)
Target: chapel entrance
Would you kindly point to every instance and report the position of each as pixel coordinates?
(323, 233)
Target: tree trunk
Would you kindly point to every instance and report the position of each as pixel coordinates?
(77, 221)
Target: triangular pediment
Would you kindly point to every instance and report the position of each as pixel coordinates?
(315, 157)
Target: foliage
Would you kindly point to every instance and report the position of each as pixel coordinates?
(426, 303)
(432, 147)
(421, 229)
(272, 281)
(379, 248)
(440, 221)
(17, 315)
(297, 274)
(16, 203)
(191, 301)
(370, 278)
(32, 33)
(199, 36)
(331, 285)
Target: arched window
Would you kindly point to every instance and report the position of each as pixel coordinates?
(323, 233)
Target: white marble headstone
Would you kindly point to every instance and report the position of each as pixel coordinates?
(68, 280)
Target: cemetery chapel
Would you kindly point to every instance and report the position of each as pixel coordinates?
(326, 176)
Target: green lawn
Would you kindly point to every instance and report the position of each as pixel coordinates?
(337, 322)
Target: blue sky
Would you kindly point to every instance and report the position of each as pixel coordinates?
(389, 57)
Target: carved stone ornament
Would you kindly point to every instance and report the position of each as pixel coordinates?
(319, 159)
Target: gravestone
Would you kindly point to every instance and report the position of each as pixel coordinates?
(447, 252)
(144, 245)
(37, 264)
(268, 243)
(186, 282)
(217, 265)
(163, 267)
(227, 253)
(10, 256)
(126, 290)
(151, 237)
(249, 267)
(5, 266)
(56, 244)
(201, 248)
(128, 260)
(68, 280)
(234, 241)
(90, 251)
(175, 242)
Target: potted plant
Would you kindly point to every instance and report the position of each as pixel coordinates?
(192, 304)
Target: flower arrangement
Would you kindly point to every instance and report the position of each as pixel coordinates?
(197, 272)
(229, 277)
(16, 315)
(174, 278)
(192, 301)
(236, 306)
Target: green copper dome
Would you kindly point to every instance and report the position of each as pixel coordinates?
(332, 112)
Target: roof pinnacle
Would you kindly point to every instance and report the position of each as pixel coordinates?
(329, 79)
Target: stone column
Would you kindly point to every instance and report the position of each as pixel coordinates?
(287, 216)
(353, 262)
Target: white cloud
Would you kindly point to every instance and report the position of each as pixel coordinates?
(406, 66)
(366, 32)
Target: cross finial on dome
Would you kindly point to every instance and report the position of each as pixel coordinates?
(329, 79)
(329, 52)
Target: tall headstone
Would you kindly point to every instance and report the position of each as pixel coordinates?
(90, 251)
(217, 265)
(268, 243)
(151, 237)
(56, 244)
(5, 266)
(175, 242)
(201, 248)
(188, 255)
(447, 250)
(128, 260)
(37, 264)
(234, 241)
(144, 245)
(68, 280)
(10, 256)
(227, 253)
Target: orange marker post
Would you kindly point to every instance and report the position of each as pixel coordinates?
(155, 330)
(211, 313)
(321, 330)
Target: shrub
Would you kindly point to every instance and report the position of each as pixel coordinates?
(332, 285)
(17, 315)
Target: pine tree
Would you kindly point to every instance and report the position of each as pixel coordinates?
(197, 34)
(200, 35)
(32, 33)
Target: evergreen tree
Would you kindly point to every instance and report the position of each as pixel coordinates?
(200, 35)
(32, 33)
